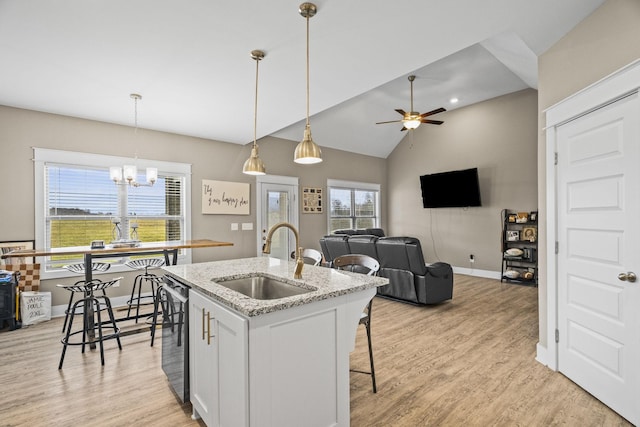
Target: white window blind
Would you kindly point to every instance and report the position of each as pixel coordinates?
(76, 203)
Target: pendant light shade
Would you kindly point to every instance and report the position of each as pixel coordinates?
(254, 165)
(307, 152)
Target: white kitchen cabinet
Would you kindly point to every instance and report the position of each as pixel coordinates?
(287, 368)
(218, 359)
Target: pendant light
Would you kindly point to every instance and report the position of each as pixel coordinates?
(128, 173)
(254, 165)
(307, 152)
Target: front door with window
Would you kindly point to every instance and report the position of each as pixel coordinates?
(277, 203)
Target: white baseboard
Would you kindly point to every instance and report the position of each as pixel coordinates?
(543, 356)
(477, 273)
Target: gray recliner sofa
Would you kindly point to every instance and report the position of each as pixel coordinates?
(401, 261)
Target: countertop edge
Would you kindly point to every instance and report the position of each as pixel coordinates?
(328, 283)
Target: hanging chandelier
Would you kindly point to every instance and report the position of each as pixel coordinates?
(127, 174)
(307, 152)
(254, 165)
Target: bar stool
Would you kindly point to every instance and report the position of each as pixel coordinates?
(79, 269)
(363, 264)
(152, 279)
(91, 307)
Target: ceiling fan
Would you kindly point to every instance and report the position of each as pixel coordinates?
(412, 119)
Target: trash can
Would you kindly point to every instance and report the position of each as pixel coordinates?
(8, 292)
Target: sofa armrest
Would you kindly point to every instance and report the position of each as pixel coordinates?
(439, 269)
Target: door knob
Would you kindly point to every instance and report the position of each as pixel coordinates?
(627, 277)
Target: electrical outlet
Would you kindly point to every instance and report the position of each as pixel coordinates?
(472, 259)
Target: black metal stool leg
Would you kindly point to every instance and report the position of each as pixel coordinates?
(157, 302)
(373, 371)
(112, 318)
(99, 326)
(67, 311)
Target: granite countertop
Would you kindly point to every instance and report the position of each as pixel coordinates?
(327, 282)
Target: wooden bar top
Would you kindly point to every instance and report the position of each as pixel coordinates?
(108, 249)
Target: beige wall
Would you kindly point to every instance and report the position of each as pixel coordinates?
(498, 137)
(20, 130)
(604, 42)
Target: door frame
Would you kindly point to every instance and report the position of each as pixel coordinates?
(279, 180)
(611, 88)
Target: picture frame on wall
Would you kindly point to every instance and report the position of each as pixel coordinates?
(311, 200)
(16, 245)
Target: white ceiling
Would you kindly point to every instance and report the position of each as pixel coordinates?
(190, 62)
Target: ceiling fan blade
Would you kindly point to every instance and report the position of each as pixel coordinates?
(436, 111)
(403, 129)
(392, 121)
(401, 111)
(432, 122)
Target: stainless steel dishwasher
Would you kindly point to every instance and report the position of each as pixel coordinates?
(175, 336)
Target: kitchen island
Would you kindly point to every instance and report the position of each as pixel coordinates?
(277, 362)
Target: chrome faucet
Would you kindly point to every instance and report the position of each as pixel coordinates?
(266, 248)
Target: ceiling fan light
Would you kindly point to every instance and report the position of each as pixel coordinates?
(411, 123)
(254, 165)
(307, 152)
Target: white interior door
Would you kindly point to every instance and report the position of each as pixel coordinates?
(598, 198)
(277, 202)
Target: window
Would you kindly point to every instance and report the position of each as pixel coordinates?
(353, 205)
(76, 203)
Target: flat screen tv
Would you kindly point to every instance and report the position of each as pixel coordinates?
(451, 189)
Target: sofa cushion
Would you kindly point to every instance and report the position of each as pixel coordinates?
(404, 253)
(363, 244)
(347, 231)
(375, 232)
(361, 231)
(334, 245)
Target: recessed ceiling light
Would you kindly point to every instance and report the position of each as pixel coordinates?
(453, 100)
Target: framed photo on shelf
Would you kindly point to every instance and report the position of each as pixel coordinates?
(522, 217)
(533, 216)
(6, 247)
(530, 234)
(513, 235)
(511, 218)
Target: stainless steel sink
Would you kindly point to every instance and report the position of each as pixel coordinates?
(263, 287)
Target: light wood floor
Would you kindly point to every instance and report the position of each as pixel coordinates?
(466, 362)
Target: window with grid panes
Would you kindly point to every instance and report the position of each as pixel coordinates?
(353, 205)
(79, 203)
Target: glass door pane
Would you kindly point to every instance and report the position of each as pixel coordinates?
(277, 210)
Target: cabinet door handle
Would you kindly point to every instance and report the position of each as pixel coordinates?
(203, 324)
(208, 328)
